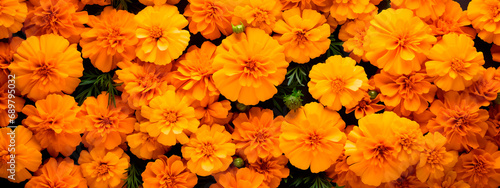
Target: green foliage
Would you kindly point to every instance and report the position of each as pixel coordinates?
(93, 82)
(298, 76)
(335, 47)
(121, 4)
(134, 179)
(311, 180)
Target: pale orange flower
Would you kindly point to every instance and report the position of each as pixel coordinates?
(424, 9)
(261, 14)
(240, 178)
(104, 168)
(434, 159)
(144, 146)
(168, 172)
(486, 88)
(342, 10)
(18, 101)
(210, 111)
(249, 67)
(13, 14)
(448, 181)
(273, 169)
(60, 172)
(364, 107)
(353, 34)
(479, 167)
(454, 21)
(209, 17)
(485, 19)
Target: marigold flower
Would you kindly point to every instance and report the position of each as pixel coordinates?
(312, 136)
(319, 5)
(479, 167)
(303, 33)
(168, 172)
(209, 150)
(26, 150)
(7, 51)
(397, 41)
(407, 179)
(161, 38)
(487, 87)
(423, 9)
(353, 34)
(210, 18)
(273, 169)
(46, 64)
(485, 18)
(111, 40)
(448, 181)
(143, 145)
(60, 172)
(257, 135)
(342, 10)
(104, 168)
(97, 2)
(13, 14)
(4, 101)
(454, 21)
(434, 159)
(249, 67)
(454, 62)
(364, 107)
(409, 142)
(56, 123)
(344, 84)
(494, 124)
(210, 111)
(240, 178)
(459, 119)
(340, 173)
(258, 14)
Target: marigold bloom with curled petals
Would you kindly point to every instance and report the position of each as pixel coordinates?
(344, 84)
(209, 17)
(143, 145)
(273, 169)
(26, 150)
(342, 10)
(409, 142)
(256, 135)
(240, 178)
(448, 181)
(4, 100)
(260, 14)
(480, 167)
(423, 8)
(168, 172)
(460, 120)
(7, 51)
(397, 41)
(487, 87)
(454, 21)
(170, 118)
(210, 111)
(13, 14)
(364, 107)
(312, 137)
(454, 62)
(104, 168)
(485, 17)
(353, 34)
(434, 159)
(209, 150)
(60, 172)
(161, 38)
(111, 40)
(46, 64)
(249, 67)
(303, 33)
(56, 123)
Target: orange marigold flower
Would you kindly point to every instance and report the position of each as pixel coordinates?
(210, 111)
(448, 181)
(256, 135)
(56, 123)
(5, 110)
(209, 150)
(454, 21)
(194, 72)
(104, 168)
(249, 67)
(161, 38)
(13, 14)
(111, 40)
(144, 146)
(454, 62)
(345, 83)
(407, 179)
(340, 173)
(170, 118)
(342, 10)
(422, 8)
(261, 14)
(46, 64)
(353, 34)
(106, 124)
(493, 122)
(26, 151)
(60, 172)
(397, 41)
(209, 17)
(459, 119)
(487, 87)
(364, 107)
(319, 5)
(480, 167)
(485, 17)
(273, 169)
(312, 137)
(409, 142)
(168, 172)
(303, 33)
(434, 159)
(7, 51)
(240, 178)
(97, 2)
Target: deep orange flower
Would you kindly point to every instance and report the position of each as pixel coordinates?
(104, 168)
(319, 5)
(342, 10)
(409, 142)
(364, 107)
(4, 101)
(454, 21)
(493, 133)
(209, 17)
(344, 84)
(454, 62)
(460, 120)
(256, 135)
(448, 181)
(161, 38)
(210, 111)
(273, 169)
(304, 34)
(261, 14)
(312, 137)
(340, 173)
(7, 51)
(46, 64)
(56, 123)
(353, 34)
(495, 52)
(168, 172)
(397, 41)
(209, 150)
(13, 14)
(239, 178)
(487, 87)
(486, 19)
(407, 179)
(144, 146)
(96, 2)
(158, 2)
(111, 40)
(249, 67)
(60, 172)
(479, 167)
(422, 8)
(26, 150)
(434, 159)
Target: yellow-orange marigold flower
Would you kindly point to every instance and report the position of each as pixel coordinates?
(46, 64)
(485, 17)
(353, 34)
(303, 33)
(240, 178)
(60, 172)
(104, 168)
(210, 111)
(209, 17)
(111, 40)
(480, 167)
(454, 21)
(342, 10)
(161, 38)
(343, 84)
(17, 102)
(26, 151)
(13, 14)
(487, 87)
(209, 150)
(168, 172)
(261, 14)
(145, 146)
(454, 62)
(312, 137)
(434, 159)
(448, 181)
(56, 122)
(409, 142)
(397, 41)
(249, 67)
(364, 107)
(423, 8)
(256, 135)
(273, 169)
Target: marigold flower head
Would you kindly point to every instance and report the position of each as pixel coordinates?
(209, 150)
(434, 159)
(161, 38)
(454, 21)
(353, 34)
(13, 14)
(111, 40)
(342, 10)
(397, 41)
(493, 122)
(273, 169)
(7, 51)
(104, 168)
(145, 146)
(261, 14)
(364, 107)
(319, 5)
(344, 84)
(168, 172)
(409, 142)
(60, 172)
(4, 100)
(209, 17)
(485, 17)
(487, 87)
(303, 33)
(249, 67)
(340, 173)
(423, 9)
(210, 111)
(239, 178)
(480, 167)
(46, 64)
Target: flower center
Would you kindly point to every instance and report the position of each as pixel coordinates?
(251, 66)
(434, 157)
(168, 181)
(207, 149)
(314, 139)
(211, 9)
(170, 116)
(114, 37)
(261, 16)
(301, 36)
(457, 65)
(337, 85)
(102, 169)
(156, 32)
(403, 41)
(261, 136)
(4, 156)
(481, 166)
(381, 153)
(43, 71)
